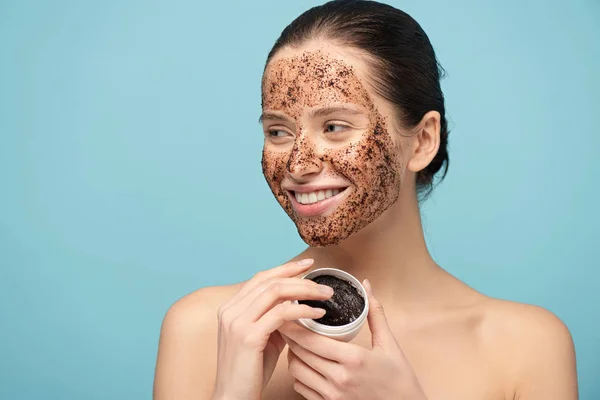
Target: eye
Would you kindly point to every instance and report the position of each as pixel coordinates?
(277, 133)
(335, 128)
(278, 136)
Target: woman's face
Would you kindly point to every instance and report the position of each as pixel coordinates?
(329, 156)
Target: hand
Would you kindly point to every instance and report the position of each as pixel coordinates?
(326, 369)
(249, 344)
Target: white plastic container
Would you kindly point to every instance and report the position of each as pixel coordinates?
(344, 333)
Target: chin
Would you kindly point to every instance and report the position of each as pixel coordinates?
(315, 240)
(320, 241)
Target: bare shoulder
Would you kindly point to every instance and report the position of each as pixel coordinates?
(194, 310)
(187, 352)
(523, 326)
(534, 345)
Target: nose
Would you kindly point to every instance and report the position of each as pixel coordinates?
(304, 160)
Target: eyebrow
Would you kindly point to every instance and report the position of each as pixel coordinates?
(272, 115)
(320, 112)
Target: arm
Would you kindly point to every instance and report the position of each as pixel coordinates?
(548, 369)
(223, 341)
(187, 352)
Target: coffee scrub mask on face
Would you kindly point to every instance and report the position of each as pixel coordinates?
(370, 165)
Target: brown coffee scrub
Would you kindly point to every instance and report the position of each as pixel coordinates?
(344, 307)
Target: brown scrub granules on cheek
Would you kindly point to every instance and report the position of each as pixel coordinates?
(370, 165)
(274, 167)
(343, 307)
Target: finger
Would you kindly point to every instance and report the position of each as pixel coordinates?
(306, 375)
(287, 270)
(279, 291)
(240, 308)
(287, 311)
(290, 269)
(321, 345)
(300, 387)
(257, 335)
(325, 367)
(306, 392)
(381, 335)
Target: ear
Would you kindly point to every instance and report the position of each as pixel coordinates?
(426, 142)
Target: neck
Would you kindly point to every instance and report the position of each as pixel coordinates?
(391, 252)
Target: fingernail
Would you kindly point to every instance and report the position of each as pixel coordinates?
(306, 262)
(320, 311)
(368, 287)
(325, 289)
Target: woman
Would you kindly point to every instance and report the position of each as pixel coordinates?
(355, 132)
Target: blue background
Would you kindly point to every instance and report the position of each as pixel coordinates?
(130, 172)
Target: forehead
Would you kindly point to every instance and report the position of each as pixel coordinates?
(311, 77)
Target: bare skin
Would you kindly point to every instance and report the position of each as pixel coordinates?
(459, 343)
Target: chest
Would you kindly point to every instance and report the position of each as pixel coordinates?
(449, 363)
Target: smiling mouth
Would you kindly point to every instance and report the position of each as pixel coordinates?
(317, 196)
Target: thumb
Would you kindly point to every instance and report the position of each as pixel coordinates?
(381, 335)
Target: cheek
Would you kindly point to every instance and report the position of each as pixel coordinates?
(273, 167)
(349, 161)
(387, 148)
(375, 155)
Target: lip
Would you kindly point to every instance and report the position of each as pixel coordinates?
(320, 207)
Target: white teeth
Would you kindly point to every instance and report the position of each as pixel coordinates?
(311, 198)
